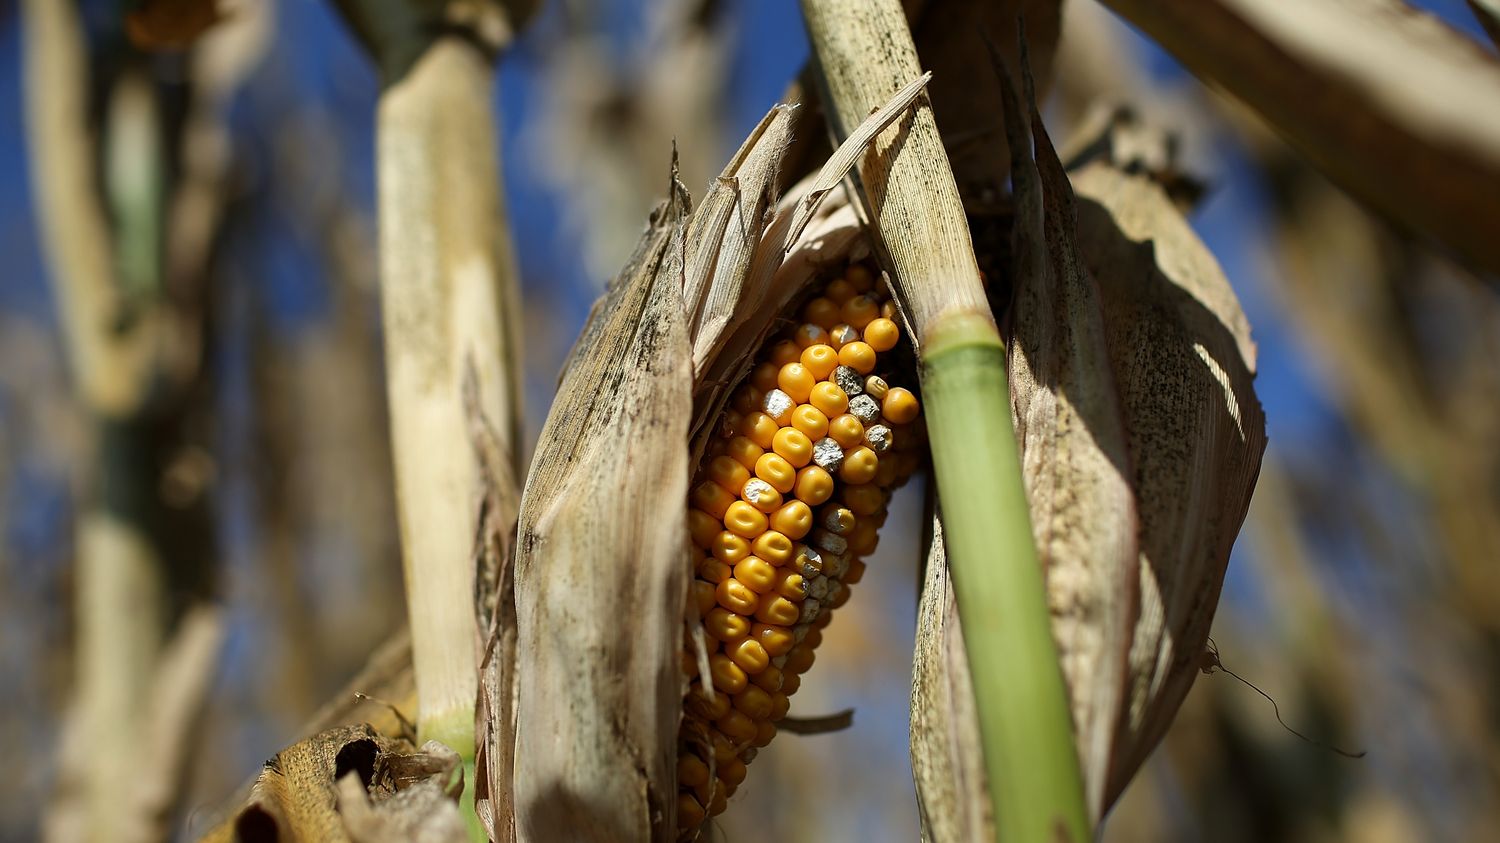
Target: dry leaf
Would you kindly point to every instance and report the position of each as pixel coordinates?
(1389, 102)
(1184, 363)
(1072, 442)
(952, 790)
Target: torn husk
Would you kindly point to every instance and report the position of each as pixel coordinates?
(602, 538)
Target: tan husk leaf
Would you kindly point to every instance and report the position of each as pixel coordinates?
(1141, 439)
(1071, 435)
(953, 797)
(1182, 356)
(304, 792)
(600, 570)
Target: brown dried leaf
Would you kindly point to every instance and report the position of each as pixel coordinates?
(597, 709)
(1072, 442)
(953, 794)
(1184, 363)
(1389, 102)
(415, 799)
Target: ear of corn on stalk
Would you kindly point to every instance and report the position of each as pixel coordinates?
(790, 495)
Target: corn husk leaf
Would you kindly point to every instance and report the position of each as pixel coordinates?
(351, 783)
(1141, 439)
(953, 796)
(600, 576)
(1389, 102)
(1072, 440)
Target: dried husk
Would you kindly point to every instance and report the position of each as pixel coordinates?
(352, 783)
(600, 577)
(1141, 439)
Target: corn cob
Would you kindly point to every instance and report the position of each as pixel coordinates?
(793, 488)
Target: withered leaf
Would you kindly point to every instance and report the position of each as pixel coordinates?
(601, 543)
(1072, 441)
(1184, 362)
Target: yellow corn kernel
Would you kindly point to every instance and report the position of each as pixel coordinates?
(763, 377)
(689, 813)
(726, 625)
(774, 469)
(852, 574)
(846, 430)
(702, 527)
(757, 574)
(784, 352)
(769, 679)
(793, 446)
(797, 381)
(860, 311)
(842, 335)
(728, 677)
(777, 610)
(713, 570)
(729, 547)
(820, 360)
(839, 290)
(754, 702)
(899, 406)
(811, 421)
(808, 335)
(765, 732)
(773, 547)
(794, 519)
(736, 597)
(777, 640)
(732, 773)
(789, 584)
(790, 682)
(703, 597)
(711, 498)
(821, 312)
(709, 708)
(779, 706)
(888, 310)
(743, 519)
(858, 356)
(863, 500)
(691, 770)
(798, 660)
(719, 802)
(761, 495)
(811, 640)
(864, 539)
(882, 334)
(876, 387)
(838, 520)
(860, 277)
(814, 485)
(744, 451)
(728, 473)
(748, 655)
(746, 399)
(829, 398)
(759, 428)
(859, 466)
(738, 728)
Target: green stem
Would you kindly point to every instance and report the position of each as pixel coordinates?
(1034, 780)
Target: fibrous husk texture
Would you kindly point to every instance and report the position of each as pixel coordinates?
(601, 565)
(1131, 371)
